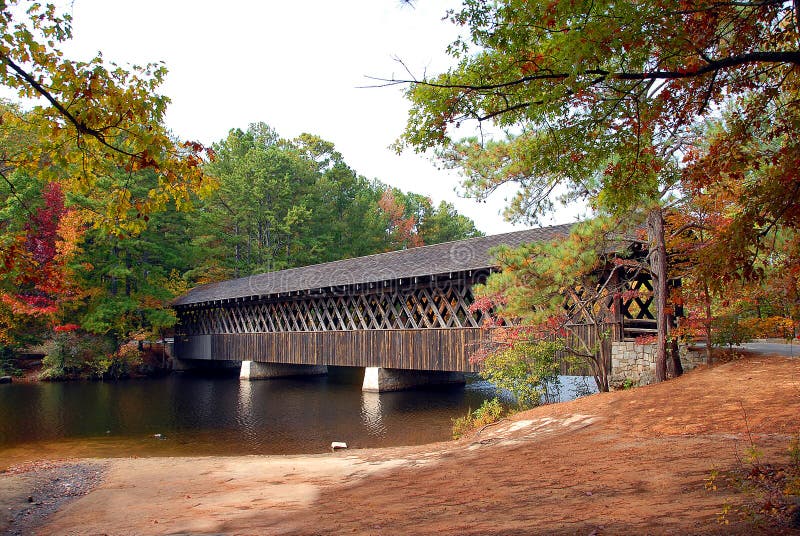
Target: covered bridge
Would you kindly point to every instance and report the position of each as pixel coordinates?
(402, 310)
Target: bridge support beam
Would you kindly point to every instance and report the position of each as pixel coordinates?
(184, 365)
(379, 379)
(255, 370)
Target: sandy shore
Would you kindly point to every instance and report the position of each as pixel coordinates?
(630, 462)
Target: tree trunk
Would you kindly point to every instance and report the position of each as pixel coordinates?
(676, 368)
(236, 249)
(658, 271)
(605, 366)
(113, 288)
(707, 321)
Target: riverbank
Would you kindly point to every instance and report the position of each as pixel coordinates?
(628, 462)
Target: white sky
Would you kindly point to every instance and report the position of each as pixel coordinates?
(294, 65)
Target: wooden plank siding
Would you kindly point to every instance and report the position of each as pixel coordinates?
(444, 349)
(575, 366)
(420, 349)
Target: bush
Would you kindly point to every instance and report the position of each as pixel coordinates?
(7, 362)
(72, 354)
(729, 331)
(124, 361)
(527, 370)
(489, 412)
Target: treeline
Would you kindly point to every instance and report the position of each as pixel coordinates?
(87, 287)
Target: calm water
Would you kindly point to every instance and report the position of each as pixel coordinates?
(197, 416)
(205, 416)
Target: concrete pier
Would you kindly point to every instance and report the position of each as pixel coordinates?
(379, 379)
(256, 370)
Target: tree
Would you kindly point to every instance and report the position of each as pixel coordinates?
(568, 290)
(737, 227)
(254, 221)
(401, 226)
(346, 221)
(35, 259)
(287, 203)
(598, 100)
(89, 120)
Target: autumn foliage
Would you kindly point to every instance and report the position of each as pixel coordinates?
(38, 258)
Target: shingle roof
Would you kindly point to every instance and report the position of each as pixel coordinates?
(445, 258)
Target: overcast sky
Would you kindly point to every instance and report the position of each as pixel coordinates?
(296, 66)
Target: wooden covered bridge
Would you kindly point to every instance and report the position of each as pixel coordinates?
(390, 313)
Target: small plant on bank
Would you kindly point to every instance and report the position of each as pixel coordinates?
(771, 490)
(490, 411)
(628, 384)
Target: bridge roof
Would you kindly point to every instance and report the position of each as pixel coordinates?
(438, 259)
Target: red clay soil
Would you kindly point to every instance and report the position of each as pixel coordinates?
(629, 462)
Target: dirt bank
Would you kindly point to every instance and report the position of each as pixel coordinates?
(631, 462)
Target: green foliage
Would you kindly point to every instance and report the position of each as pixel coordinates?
(287, 203)
(490, 411)
(547, 287)
(89, 120)
(528, 370)
(73, 355)
(728, 331)
(7, 363)
(628, 384)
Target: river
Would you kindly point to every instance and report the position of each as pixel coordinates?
(185, 415)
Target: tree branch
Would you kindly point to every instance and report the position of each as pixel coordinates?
(791, 57)
(80, 126)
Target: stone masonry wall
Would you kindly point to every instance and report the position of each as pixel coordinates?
(635, 364)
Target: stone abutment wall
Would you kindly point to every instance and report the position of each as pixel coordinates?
(634, 364)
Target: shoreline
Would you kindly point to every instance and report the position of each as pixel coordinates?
(626, 462)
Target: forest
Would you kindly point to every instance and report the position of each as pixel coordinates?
(89, 290)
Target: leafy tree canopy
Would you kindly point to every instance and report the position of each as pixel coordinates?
(90, 120)
(586, 90)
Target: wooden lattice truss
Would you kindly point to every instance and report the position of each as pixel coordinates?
(419, 307)
(627, 305)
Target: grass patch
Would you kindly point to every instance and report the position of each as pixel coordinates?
(490, 412)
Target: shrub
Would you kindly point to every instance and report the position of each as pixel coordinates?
(489, 412)
(773, 327)
(124, 361)
(527, 370)
(7, 362)
(729, 331)
(71, 354)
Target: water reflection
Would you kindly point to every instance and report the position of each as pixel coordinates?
(371, 413)
(199, 416)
